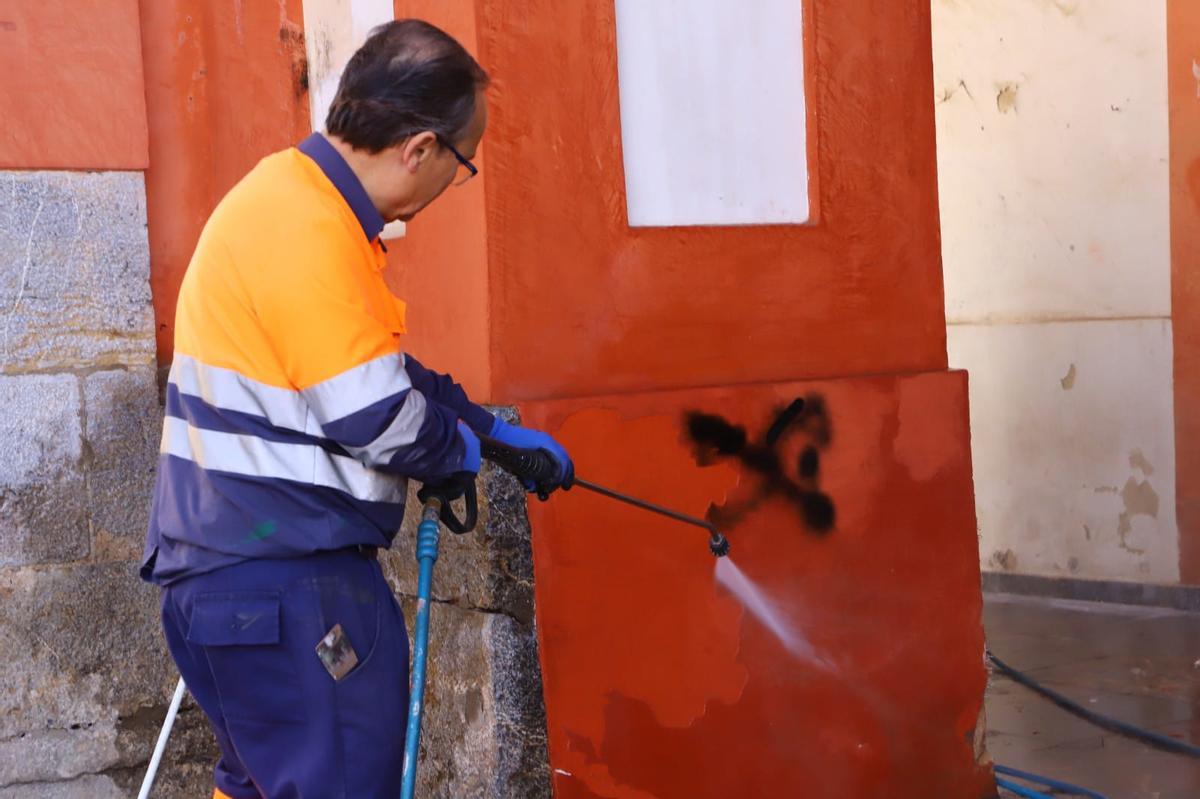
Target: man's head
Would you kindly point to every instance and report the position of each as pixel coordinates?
(408, 99)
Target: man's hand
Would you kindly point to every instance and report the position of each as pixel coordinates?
(525, 438)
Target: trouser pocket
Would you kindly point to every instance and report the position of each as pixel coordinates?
(240, 633)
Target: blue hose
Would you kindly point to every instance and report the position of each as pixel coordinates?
(1021, 790)
(427, 554)
(1057, 785)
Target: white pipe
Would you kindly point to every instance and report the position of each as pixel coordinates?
(163, 735)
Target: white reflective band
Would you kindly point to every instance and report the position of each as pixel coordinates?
(358, 388)
(225, 389)
(256, 457)
(400, 433)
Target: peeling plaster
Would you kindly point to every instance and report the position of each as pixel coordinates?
(1006, 98)
(1140, 499)
(1068, 382)
(1005, 559)
(1138, 461)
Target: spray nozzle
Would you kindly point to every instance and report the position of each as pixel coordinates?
(718, 544)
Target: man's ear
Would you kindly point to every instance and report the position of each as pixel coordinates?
(417, 149)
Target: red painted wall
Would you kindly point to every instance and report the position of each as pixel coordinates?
(582, 304)
(659, 684)
(1183, 48)
(226, 84)
(71, 94)
(440, 266)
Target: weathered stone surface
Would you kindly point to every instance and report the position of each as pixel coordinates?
(490, 568)
(92, 786)
(86, 680)
(485, 722)
(186, 771)
(484, 730)
(74, 271)
(123, 426)
(56, 754)
(523, 761)
(42, 496)
(86, 646)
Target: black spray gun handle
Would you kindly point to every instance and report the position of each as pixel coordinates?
(456, 486)
(535, 467)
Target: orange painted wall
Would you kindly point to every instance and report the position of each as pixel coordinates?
(582, 304)
(1183, 52)
(440, 266)
(71, 93)
(659, 684)
(226, 84)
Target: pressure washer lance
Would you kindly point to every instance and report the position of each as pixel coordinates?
(538, 467)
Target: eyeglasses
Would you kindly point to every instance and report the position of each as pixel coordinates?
(472, 170)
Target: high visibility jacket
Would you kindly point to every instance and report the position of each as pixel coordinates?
(292, 417)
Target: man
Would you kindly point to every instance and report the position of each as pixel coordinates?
(292, 422)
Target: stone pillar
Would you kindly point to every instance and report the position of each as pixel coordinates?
(86, 677)
(485, 721)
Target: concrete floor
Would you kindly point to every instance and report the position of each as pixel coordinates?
(1141, 665)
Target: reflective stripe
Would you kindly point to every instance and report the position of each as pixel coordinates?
(256, 457)
(358, 388)
(225, 389)
(400, 433)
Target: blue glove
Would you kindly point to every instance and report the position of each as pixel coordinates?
(524, 438)
(471, 460)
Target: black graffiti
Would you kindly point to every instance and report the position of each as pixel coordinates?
(714, 439)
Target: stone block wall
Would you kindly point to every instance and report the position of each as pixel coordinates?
(485, 721)
(86, 679)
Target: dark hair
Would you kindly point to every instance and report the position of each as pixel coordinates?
(407, 77)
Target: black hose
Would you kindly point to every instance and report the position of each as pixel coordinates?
(1154, 739)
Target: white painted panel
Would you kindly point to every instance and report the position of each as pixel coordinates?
(1073, 440)
(1052, 158)
(333, 31)
(712, 111)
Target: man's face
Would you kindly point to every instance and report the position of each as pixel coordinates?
(425, 168)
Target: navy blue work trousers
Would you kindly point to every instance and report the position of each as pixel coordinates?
(244, 638)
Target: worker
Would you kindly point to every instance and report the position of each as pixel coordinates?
(293, 421)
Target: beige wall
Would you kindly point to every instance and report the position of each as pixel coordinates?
(1053, 179)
